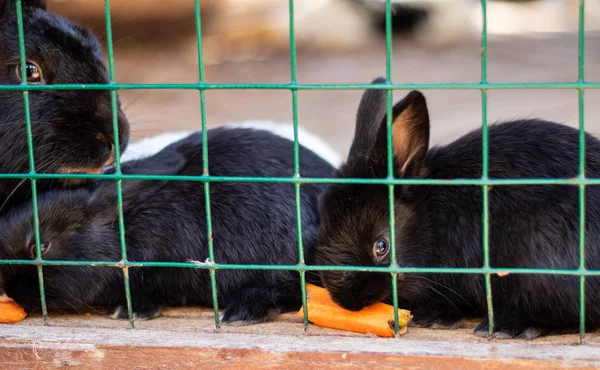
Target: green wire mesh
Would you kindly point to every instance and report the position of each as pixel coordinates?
(484, 182)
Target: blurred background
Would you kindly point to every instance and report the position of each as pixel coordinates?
(343, 41)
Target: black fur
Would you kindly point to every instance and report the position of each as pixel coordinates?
(441, 226)
(253, 223)
(72, 130)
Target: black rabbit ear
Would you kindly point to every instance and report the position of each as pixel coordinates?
(410, 135)
(371, 110)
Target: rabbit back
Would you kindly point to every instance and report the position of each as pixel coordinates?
(530, 226)
(252, 223)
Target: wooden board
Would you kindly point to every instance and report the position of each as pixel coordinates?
(186, 338)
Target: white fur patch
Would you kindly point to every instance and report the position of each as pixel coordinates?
(150, 146)
(286, 131)
(116, 313)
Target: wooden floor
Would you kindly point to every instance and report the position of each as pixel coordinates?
(187, 338)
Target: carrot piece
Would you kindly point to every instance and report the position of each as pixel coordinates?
(316, 293)
(376, 319)
(10, 312)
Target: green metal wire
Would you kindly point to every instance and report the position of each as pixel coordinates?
(390, 160)
(485, 172)
(294, 80)
(317, 180)
(209, 232)
(398, 270)
(30, 149)
(115, 119)
(580, 94)
(297, 180)
(290, 86)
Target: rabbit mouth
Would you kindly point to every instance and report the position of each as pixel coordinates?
(79, 171)
(86, 170)
(82, 171)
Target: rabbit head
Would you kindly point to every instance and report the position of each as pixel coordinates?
(355, 226)
(75, 225)
(72, 130)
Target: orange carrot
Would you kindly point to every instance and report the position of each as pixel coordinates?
(11, 312)
(376, 319)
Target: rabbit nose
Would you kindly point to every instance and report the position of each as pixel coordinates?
(368, 298)
(111, 158)
(348, 302)
(105, 140)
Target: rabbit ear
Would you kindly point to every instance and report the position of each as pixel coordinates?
(371, 111)
(410, 135)
(165, 162)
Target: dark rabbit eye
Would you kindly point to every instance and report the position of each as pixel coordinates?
(44, 247)
(381, 248)
(34, 73)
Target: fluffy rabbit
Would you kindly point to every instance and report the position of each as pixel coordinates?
(72, 130)
(253, 223)
(441, 226)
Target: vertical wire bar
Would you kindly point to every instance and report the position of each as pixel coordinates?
(485, 170)
(115, 119)
(293, 67)
(390, 160)
(292, 42)
(209, 232)
(581, 73)
(30, 150)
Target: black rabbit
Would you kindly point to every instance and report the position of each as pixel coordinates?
(72, 130)
(252, 223)
(441, 226)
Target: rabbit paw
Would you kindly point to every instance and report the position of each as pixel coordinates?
(503, 330)
(240, 312)
(436, 322)
(139, 314)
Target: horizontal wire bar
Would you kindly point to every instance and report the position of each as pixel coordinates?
(298, 267)
(296, 86)
(312, 180)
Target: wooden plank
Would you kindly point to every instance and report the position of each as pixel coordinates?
(245, 359)
(32, 347)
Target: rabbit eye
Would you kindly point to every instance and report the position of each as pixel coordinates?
(44, 247)
(381, 248)
(34, 73)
